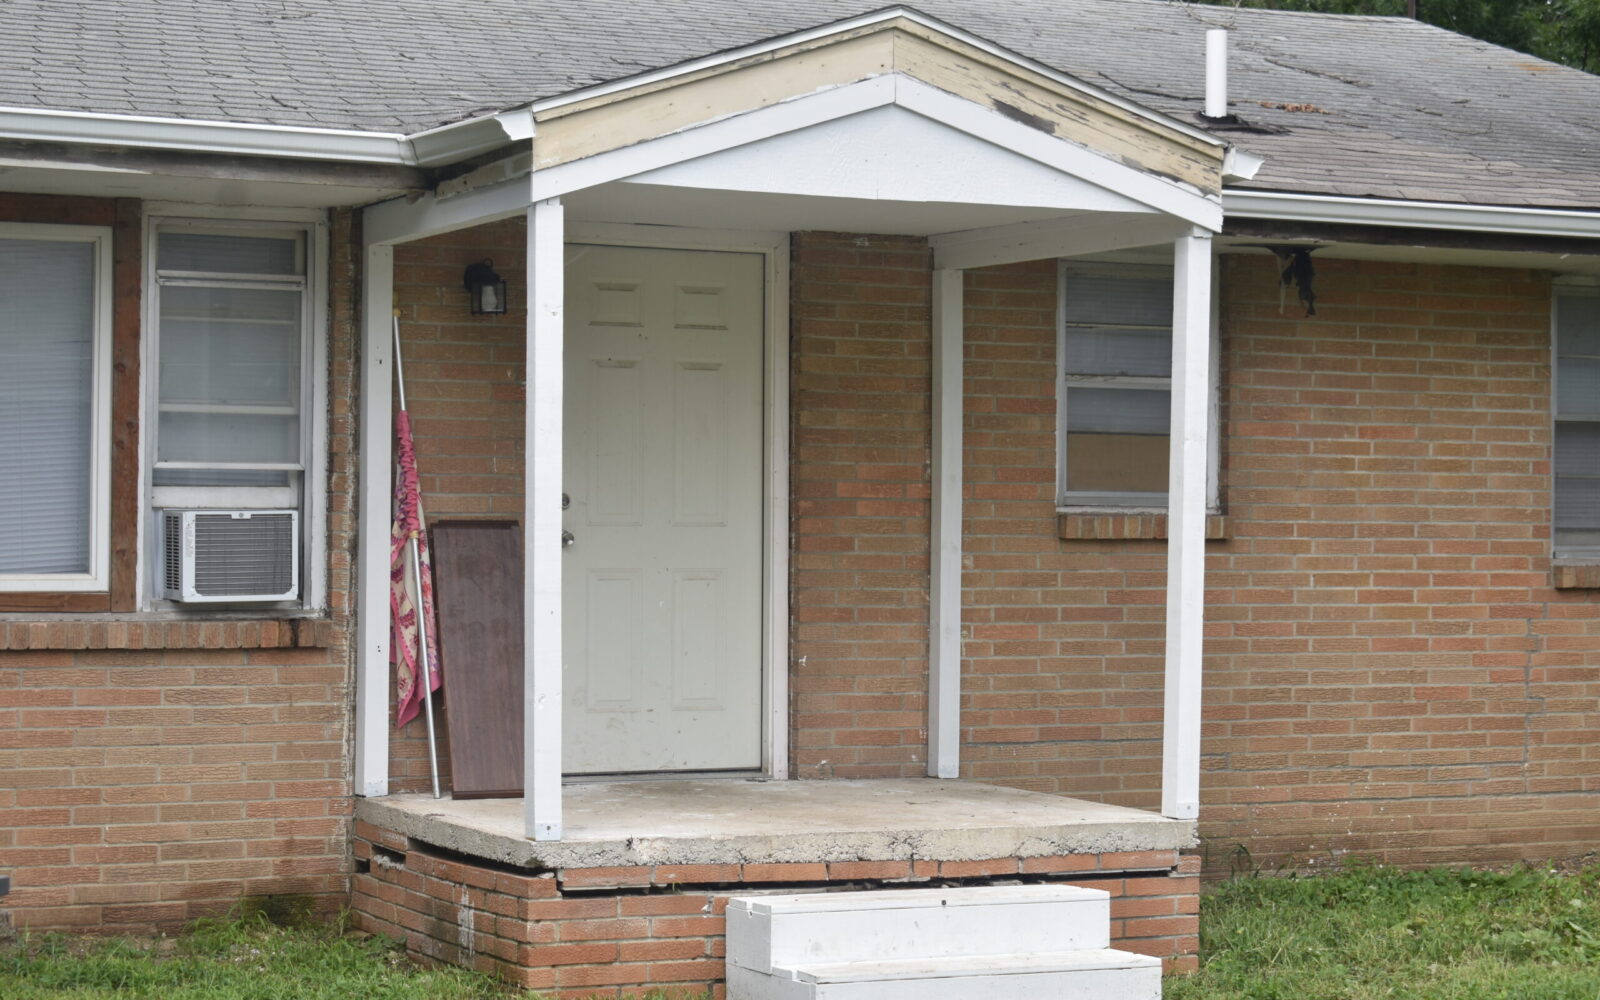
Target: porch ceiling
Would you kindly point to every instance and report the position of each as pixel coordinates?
(650, 204)
(732, 821)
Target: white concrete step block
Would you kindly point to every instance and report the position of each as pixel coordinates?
(1093, 974)
(829, 928)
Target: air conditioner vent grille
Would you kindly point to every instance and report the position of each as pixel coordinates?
(242, 556)
(172, 536)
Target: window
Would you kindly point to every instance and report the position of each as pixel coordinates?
(55, 397)
(1115, 402)
(1577, 423)
(234, 404)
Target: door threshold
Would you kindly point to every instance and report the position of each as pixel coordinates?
(732, 774)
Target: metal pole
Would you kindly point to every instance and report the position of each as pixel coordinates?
(416, 573)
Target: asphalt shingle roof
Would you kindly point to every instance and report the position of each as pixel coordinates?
(1403, 110)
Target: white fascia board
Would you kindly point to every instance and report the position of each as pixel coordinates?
(431, 148)
(853, 24)
(1282, 206)
(195, 136)
(462, 140)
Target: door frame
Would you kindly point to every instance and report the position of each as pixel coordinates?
(774, 248)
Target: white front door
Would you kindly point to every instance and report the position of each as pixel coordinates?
(662, 573)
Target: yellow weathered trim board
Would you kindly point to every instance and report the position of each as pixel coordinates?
(626, 117)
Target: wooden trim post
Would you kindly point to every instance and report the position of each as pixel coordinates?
(1186, 524)
(541, 535)
(374, 523)
(944, 572)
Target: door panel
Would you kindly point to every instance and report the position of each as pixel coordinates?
(662, 584)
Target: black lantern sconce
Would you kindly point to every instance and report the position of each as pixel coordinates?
(486, 289)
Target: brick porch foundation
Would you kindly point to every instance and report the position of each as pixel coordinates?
(611, 932)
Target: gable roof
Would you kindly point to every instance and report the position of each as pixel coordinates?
(1401, 109)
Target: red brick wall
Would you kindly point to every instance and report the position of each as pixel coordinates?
(610, 932)
(1389, 670)
(464, 392)
(859, 519)
(150, 774)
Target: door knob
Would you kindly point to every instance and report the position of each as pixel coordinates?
(567, 538)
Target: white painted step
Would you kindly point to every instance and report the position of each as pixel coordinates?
(1090, 974)
(834, 928)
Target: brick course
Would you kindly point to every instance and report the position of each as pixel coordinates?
(572, 933)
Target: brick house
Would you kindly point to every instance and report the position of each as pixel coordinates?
(867, 359)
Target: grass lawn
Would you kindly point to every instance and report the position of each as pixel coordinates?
(1364, 934)
(1381, 934)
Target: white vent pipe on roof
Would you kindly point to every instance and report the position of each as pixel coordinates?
(1217, 73)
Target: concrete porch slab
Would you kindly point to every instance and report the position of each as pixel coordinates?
(736, 821)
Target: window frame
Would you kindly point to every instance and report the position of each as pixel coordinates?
(314, 418)
(98, 578)
(1105, 502)
(1565, 287)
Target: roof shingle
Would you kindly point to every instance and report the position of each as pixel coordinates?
(1406, 110)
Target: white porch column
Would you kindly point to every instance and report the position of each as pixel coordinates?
(541, 524)
(373, 524)
(944, 594)
(1186, 524)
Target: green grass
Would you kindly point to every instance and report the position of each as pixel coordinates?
(242, 959)
(1368, 933)
(1375, 933)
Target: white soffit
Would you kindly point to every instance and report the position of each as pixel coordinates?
(654, 205)
(889, 153)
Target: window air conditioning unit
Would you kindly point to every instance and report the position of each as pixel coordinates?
(215, 556)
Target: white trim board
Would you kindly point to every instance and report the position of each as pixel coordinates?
(1285, 206)
(433, 147)
(793, 115)
(373, 518)
(889, 153)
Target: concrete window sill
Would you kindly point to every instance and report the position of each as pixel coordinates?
(73, 632)
(1576, 576)
(1078, 526)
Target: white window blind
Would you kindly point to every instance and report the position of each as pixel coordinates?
(1116, 378)
(1577, 424)
(48, 408)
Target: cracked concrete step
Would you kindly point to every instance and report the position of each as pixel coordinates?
(833, 928)
(1090, 974)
